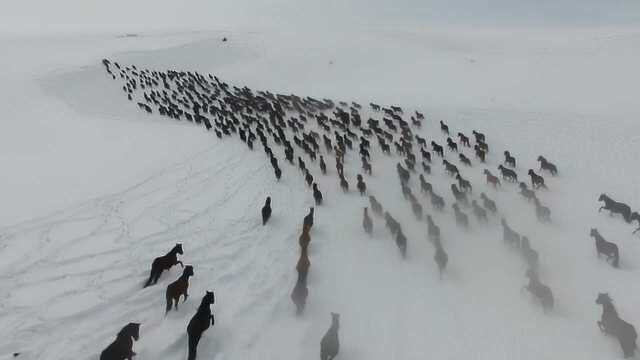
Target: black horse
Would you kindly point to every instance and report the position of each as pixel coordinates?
(122, 347)
(546, 165)
(163, 263)
(609, 249)
(611, 324)
(266, 210)
(615, 207)
(441, 258)
(200, 322)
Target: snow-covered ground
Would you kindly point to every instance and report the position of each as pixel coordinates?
(131, 185)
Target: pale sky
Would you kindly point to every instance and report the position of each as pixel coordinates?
(139, 15)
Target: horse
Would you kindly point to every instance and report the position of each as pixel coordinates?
(460, 196)
(441, 258)
(401, 242)
(303, 262)
(464, 160)
(509, 235)
(492, 179)
(479, 136)
(611, 324)
(299, 294)
(376, 207)
(304, 238)
(425, 187)
(451, 169)
(444, 128)
(488, 203)
(323, 166)
(462, 219)
(416, 208)
(508, 174)
(317, 195)
(543, 213)
(122, 347)
(615, 207)
(367, 223)
(330, 344)
(437, 201)
(433, 230)
(509, 160)
(178, 288)
(163, 263)
(479, 212)
(464, 140)
(464, 184)
(545, 165)
(199, 323)
(362, 187)
(526, 192)
(528, 253)
(266, 211)
(307, 222)
(609, 249)
(537, 181)
(540, 291)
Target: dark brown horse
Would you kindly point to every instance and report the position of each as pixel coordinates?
(163, 263)
(178, 288)
(122, 347)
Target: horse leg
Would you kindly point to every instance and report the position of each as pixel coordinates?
(156, 276)
(151, 277)
(181, 264)
(168, 307)
(193, 345)
(601, 326)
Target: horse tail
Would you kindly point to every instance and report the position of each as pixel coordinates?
(150, 279)
(616, 259)
(193, 345)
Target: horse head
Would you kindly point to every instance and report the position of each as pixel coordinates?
(541, 158)
(131, 330)
(335, 318)
(188, 270)
(208, 298)
(594, 232)
(503, 222)
(603, 197)
(524, 242)
(603, 298)
(178, 248)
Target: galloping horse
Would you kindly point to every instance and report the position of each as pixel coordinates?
(611, 324)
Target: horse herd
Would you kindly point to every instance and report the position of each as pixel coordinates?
(290, 124)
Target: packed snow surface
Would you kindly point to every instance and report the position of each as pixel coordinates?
(131, 185)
